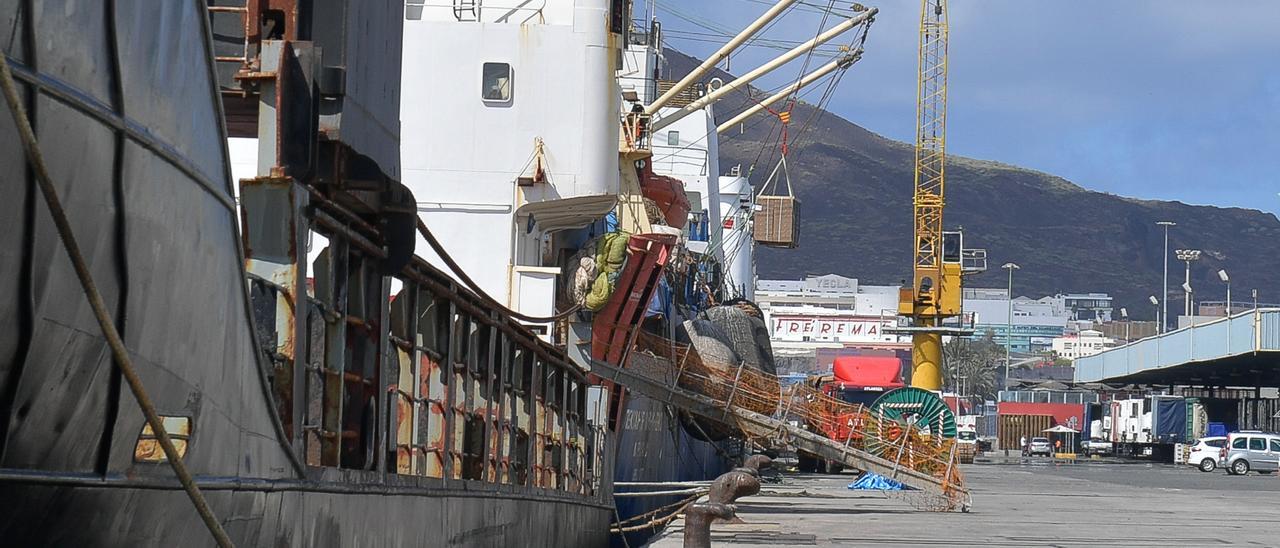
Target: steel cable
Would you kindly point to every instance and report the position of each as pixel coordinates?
(475, 287)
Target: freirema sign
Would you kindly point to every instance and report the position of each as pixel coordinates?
(846, 328)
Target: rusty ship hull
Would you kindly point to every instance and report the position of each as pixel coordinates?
(124, 100)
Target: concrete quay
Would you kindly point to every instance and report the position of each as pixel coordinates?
(1037, 503)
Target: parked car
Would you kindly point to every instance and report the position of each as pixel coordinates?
(1206, 454)
(1252, 450)
(1040, 446)
(1096, 446)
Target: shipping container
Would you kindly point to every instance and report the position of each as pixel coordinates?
(1014, 427)
(1070, 415)
(1197, 421)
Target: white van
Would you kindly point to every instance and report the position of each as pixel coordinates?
(1252, 450)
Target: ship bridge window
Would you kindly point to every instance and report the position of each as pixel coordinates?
(496, 83)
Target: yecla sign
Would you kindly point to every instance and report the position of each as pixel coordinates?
(836, 328)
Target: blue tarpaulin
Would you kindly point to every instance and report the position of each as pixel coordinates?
(875, 482)
(1170, 420)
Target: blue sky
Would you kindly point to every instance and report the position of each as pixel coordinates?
(1172, 100)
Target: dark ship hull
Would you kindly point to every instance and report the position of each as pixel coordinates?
(124, 101)
(656, 446)
(662, 445)
(88, 510)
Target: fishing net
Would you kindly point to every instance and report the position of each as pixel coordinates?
(718, 372)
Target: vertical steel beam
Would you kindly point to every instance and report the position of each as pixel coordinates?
(503, 449)
(387, 358)
(536, 413)
(487, 381)
(449, 380)
(301, 323)
(414, 293)
(335, 354)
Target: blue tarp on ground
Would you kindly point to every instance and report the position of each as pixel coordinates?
(875, 482)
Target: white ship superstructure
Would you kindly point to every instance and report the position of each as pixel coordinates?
(737, 203)
(510, 127)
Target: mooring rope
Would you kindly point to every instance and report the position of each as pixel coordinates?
(620, 527)
(118, 351)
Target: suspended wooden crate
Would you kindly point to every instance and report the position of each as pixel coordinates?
(777, 217)
(777, 221)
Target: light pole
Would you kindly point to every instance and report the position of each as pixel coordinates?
(1186, 288)
(1164, 289)
(1156, 303)
(1008, 327)
(1124, 313)
(1188, 255)
(1222, 275)
(1255, 299)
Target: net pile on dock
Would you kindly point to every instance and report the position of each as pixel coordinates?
(852, 425)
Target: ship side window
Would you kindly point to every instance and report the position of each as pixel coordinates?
(496, 83)
(673, 138)
(413, 9)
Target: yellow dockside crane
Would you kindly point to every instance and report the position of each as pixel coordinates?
(940, 257)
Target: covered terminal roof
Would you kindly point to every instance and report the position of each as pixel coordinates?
(1243, 351)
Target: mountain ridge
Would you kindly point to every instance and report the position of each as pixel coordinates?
(855, 188)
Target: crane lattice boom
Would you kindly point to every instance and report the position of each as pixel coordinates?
(930, 160)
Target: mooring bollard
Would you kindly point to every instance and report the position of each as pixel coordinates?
(731, 485)
(697, 522)
(758, 462)
(724, 491)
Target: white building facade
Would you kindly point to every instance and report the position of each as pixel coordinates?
(1086, 343)
(829, 311)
